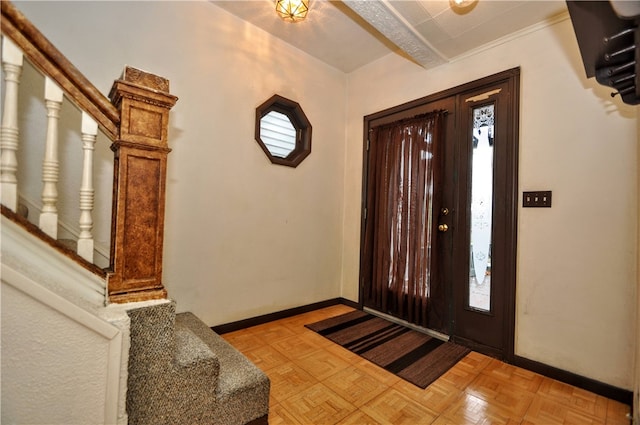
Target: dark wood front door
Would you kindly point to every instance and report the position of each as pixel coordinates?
(472, 287)
(380, 231)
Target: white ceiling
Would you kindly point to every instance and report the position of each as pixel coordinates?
(351, 33)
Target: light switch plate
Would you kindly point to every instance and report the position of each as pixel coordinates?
(536, 199)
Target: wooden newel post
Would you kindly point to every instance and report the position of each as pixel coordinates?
(140, 170)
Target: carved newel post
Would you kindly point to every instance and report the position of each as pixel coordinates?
(140, 166)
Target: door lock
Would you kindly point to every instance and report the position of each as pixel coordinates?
(443, 227)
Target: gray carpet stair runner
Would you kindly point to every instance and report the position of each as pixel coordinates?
(181, 372)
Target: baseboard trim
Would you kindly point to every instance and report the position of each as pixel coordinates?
(480, 348)
(597, 387)
(259, 320)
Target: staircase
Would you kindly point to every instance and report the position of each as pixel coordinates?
(68, 360)
(88, 332)
(183, 373)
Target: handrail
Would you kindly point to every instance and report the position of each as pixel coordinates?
(51, 62)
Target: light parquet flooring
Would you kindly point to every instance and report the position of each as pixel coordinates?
(315, 382)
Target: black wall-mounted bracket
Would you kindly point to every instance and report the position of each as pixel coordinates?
(609, 44)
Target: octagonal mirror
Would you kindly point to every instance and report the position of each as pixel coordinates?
(283, 131)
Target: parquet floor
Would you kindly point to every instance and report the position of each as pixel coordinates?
(314, 381)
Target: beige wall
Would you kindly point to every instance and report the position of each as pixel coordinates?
(245, 238)
(576, 261)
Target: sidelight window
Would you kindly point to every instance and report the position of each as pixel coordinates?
(481, 207)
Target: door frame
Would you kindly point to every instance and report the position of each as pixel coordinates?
(421, 105)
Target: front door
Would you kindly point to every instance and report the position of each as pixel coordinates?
(472, 277)
(405, 256)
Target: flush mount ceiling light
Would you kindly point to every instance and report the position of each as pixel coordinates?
(292, 10)
(462, 6)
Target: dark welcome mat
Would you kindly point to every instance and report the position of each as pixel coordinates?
(412, 355)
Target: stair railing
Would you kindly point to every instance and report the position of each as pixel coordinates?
(134, 118)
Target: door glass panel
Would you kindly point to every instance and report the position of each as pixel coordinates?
(481, 208)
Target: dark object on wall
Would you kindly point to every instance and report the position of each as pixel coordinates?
(609, 40)
(283, 131)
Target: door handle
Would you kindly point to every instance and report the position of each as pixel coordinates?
(443, 227)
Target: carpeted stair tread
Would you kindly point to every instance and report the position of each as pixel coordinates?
(192, 352)
(171, 372)
(181, 372)
(236, 372)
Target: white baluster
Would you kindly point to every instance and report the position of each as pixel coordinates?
(12, 67)
(85, 241)
(50, 166)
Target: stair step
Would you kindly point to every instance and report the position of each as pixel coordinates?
(192, 353)
(181, 372)
(243, 389)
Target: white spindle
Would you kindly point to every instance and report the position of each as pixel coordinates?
(12, 67)
(85, 241)
(50, 166)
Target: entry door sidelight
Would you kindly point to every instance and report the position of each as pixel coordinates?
(484, 278)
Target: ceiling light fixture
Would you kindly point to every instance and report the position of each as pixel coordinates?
(462, 6)
(292, 10)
